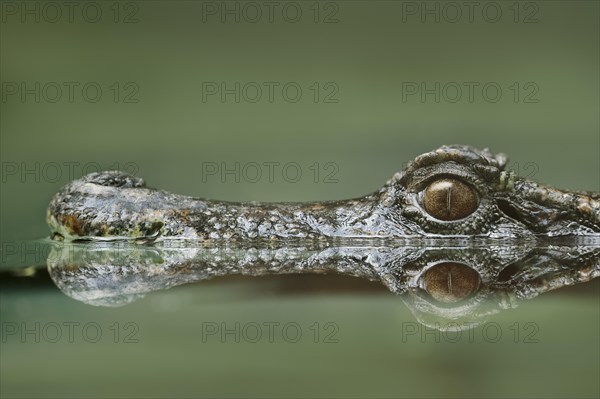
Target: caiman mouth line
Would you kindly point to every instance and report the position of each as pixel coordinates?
(453, 192)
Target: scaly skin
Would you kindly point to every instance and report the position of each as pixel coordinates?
(114, 205)
(481, 281)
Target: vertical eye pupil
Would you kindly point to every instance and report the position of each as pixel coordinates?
(450, 199)
(450, 282)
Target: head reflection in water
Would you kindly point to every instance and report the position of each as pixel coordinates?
(440, 285)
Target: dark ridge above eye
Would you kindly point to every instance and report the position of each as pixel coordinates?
(449, 199)
(509, 210)
(510, 271)
(460, 154)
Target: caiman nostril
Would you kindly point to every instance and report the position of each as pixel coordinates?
(114, 178)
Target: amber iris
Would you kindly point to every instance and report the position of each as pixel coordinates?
(450, 282)
(449, 199)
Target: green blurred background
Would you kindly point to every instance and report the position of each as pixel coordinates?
(369, 133)
(164, 54)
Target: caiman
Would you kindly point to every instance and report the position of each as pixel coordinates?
(454, 191)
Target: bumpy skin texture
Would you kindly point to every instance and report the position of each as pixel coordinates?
(114, 275)
(114, 205)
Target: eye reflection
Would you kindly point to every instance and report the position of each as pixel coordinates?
(450, 282)
(449, 199)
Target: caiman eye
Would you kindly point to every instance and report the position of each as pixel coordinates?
(451, 282)
(450, 199)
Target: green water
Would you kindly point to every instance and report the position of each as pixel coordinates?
(176, 344)
(347, 135)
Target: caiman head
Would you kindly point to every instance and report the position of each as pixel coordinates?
(460, 190)
(454, 191)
